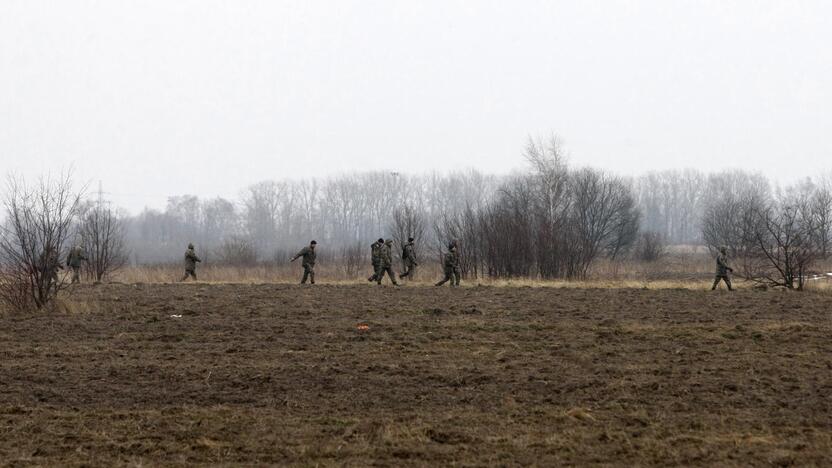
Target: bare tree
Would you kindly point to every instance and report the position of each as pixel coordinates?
(784, 243)
(603, 217)
(38, 224)
(353, 259)
(408, 221)
(819, 213)
(236, 251)
(650, 247)
(102, 233)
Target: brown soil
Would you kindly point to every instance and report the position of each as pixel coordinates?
(278, 374)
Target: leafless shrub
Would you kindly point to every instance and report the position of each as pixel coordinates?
(552, 223)
(775, 242)
(785, 245)
(408, 221)
(650, 247)
(102, 233)
(38, 224)
(237, 252)
(353, 259)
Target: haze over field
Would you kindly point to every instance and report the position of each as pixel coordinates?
(161, 98)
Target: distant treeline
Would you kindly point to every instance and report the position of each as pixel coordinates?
(551, 221)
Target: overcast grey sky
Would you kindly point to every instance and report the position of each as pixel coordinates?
(204, 97)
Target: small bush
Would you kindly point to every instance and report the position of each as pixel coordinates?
(237, 252)
(650, 247)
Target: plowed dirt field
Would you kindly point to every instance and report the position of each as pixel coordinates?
(361, 375)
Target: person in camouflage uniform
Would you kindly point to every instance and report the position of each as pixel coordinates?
(190, 263)
(722, 269)
(375, 256)
(409, 259)
(450, 264)
(74, 259)
(386, 266)
(49, 264)
(308, 254)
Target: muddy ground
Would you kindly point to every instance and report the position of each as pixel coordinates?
(278, 374)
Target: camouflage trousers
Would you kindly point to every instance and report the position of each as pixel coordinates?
(76, 274)
(189, 273)
(409, 269)
(452, 274)
(308, 274)
(374, 276)
(719, 278)
(385, 269)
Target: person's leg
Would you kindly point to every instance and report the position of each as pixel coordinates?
(716, 283)
(380, 275)
(728, 283)
(76, 275)
(305, 276)
(392, 275)
(312, 275)
(448, 274)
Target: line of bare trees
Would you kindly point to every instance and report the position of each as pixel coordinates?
(552, 221)
(778, 238)
(344, 214)
(42, 222)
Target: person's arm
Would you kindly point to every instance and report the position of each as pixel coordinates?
(298, 255)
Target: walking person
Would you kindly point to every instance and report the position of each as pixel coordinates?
(387, 262)
(190, 263)
(308, 254)
(49, 263)
(375, 258)
(409, 259)
(451, 266)
(73, 259)
(722, 270)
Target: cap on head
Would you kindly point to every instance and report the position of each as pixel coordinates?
(190, 246)
(380, 240)
(410, 239)
(723, 249)
(313, 243)
(451, 245)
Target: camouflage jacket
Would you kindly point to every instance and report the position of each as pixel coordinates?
(386, 254)
(375, 253)
(308, 255)
(49, 262)
(408, 254)
(451, 259)
(722, 267)
(191, 260)
(75, 257)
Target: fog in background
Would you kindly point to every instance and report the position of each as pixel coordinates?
(160, 98)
